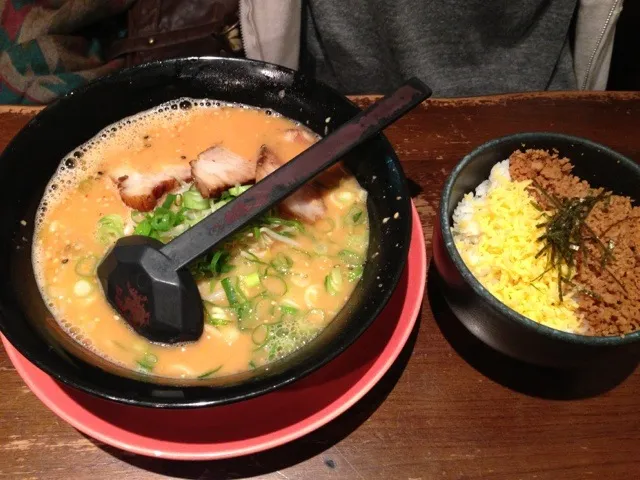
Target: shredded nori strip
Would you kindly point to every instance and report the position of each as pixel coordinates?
(567, 233)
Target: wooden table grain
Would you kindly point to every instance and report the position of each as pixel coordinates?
(450, 408)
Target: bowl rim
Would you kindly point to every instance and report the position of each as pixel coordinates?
(495, 304)
(290, 375)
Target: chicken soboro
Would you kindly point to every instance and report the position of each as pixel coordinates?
(608, 292)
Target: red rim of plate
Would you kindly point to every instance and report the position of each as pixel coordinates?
(61, 399)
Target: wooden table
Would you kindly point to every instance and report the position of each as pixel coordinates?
(450, 408)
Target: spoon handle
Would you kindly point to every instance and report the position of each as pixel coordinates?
(291, 176)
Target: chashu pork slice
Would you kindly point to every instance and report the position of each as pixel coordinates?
(306, 203)
(218, 169)
(301, 136)
(141, 191)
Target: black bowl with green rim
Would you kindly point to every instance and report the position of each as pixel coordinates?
(483, 314)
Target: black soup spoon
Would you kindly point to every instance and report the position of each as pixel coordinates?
(148, 283)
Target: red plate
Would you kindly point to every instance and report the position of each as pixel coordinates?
(257, 424)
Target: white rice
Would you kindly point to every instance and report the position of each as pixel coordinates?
(465, 229)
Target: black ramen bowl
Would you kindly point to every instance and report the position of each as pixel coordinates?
(33, 156)
(484, 315)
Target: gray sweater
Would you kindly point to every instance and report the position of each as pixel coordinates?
(458, 47)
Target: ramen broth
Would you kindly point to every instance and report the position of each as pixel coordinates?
(272, 288)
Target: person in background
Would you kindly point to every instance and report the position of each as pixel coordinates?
(458, 47)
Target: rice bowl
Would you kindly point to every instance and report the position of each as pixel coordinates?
(532, 246)
(482, 313)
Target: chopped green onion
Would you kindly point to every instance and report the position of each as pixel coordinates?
(252, 365)
(137, 216)
(244, 311)
(143, 228)
(355, 216)
(357, 242)
(213, 265)
(194, 201)
(256, 232)
(238, 190)
(274, 285)
(223, 265)
(282, 263)
(209, 373)
(333, 281)
(216, 322)
(260, 335)
(86, 266)
(148, 361)
(251, 257)
(349, 257)
(180, 216)
(194, 216)
(163, 219)
(355, 273)
(219, 204)
(267, 311)
(110, 228)
(249, 319)
(251, 280)
(233, 296)
(226, 268)
(297, 224)
(289, 310)
(168, 202)
(216, 316)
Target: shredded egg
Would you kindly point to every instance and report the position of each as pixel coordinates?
(497, 235)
